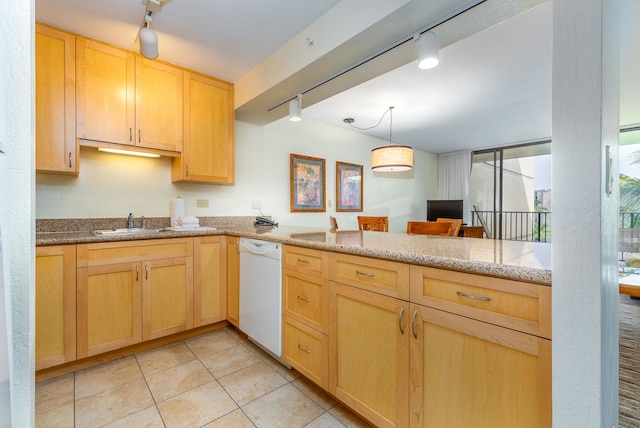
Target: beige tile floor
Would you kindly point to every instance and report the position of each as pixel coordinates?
(218, 379)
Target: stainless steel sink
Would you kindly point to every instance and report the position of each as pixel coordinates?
(126, 231)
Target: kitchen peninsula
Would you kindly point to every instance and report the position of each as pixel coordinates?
(407, 330)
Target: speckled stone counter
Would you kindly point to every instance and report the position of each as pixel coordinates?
(523, 261)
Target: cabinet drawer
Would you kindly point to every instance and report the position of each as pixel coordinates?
(130, 251)
(516, 305)
(305, 299)
(305, 260)
(382, 276)
(306, 350)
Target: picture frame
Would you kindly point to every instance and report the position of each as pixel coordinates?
(349, 185)
(307, 184)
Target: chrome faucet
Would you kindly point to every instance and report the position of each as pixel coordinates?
(130, 221)
(144, 222)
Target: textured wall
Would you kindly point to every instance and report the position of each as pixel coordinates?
(17, 180)
(585, 289)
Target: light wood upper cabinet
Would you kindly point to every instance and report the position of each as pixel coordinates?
(105, 92)
(208, 150)
(233, 280)
(55, 305)
(126, 99)
(158, 105)
(466, 372)
(209, 280)
(56, 145)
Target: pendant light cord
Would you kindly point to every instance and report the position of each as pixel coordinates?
(350, 121)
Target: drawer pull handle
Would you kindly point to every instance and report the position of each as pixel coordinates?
(365, 274)
(400, 320)
(308, 351)
(468, 296)
(69, 159)
(136, 273)
(303, 261)
(146, 271)
(304, 299)
(413, 324)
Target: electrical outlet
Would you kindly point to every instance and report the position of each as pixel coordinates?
(256, 204)
(329, 203)
(202, 203)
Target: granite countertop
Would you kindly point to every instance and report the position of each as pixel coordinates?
(523, 261)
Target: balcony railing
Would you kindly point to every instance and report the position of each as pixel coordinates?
(536, 226)
(519, 225)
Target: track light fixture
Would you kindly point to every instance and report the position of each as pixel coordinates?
(148, 38)
(295, 109)
(428, 51)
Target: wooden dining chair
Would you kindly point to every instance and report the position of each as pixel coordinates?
(457, 224)
(378, 224)
(333, 222)
(429, 228)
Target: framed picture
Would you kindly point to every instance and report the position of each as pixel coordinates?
(307, 184)
(348, 187)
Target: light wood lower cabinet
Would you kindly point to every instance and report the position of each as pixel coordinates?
(109, 307)
(233, 280)
(132, 291)
(369, 354)
(55, 305)
(305, 312)
(167, 297)
(209, 280)
(466, 373)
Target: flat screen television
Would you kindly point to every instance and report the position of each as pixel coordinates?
(444, 209)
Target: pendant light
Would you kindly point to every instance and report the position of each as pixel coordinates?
(391, 158)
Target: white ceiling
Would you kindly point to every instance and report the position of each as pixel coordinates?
(490, 89)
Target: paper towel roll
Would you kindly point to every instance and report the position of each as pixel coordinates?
(176, 210)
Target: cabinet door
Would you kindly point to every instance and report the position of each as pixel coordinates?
(208, 151)
(158, 105)
(105, 92)
(466, 372)
(56, 146)
(55, 305)
(233, 280)
(209, 280)
(167, 297)
(369, 354)
(109, 302)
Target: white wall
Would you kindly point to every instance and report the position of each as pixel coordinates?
(114, 185)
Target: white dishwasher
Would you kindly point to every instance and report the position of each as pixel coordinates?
(261, 293)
